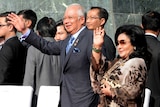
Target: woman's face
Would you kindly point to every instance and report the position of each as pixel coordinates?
(124, 46)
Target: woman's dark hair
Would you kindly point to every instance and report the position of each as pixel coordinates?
(137, 39)
(46, 27)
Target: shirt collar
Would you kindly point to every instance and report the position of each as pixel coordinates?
(76, 34)
(151, 34)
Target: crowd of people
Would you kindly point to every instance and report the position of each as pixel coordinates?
(89, 73)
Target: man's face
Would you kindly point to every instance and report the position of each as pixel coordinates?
(26, 21)
(72, 21)
(93, 20)
(61, 33)
(21, 16)
(3, 27)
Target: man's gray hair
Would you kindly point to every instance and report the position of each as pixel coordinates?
(81, 10)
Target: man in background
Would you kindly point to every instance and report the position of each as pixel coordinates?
(61, 33)
(12, 54)
(1, 42)
(151, 25)
(97, 17)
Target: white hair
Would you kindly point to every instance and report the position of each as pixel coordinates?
(81, 10)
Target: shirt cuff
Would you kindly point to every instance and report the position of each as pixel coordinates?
(24, 36)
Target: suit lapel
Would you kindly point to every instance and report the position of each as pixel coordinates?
(68, 55)
(75, 44)
(150, 36)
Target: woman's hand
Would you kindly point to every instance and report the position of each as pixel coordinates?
(105, 88)
(98, 36)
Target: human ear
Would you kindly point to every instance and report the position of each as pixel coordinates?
(28, 23)
(102, 21)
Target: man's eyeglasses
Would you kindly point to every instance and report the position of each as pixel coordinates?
(92, 17)
(70, 18)
(3, 25)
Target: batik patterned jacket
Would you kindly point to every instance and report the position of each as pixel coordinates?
(126, 78)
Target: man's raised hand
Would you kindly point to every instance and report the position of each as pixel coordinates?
(18, 23)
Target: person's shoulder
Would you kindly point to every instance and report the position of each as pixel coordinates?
(152, 41)
(151, 38)
(33, 50)
(51, 39)
(107, 37)
(136, 61)
(13, 38)
(88, 30)
(13, 42)
(13, 45)
(87, 33)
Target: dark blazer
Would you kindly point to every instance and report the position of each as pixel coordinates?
(12, 62)
(76, 88)
(154, 72)
(108, 48)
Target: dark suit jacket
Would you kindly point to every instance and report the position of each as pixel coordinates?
(108, 48)
(12, 62)
(76, 85)
(153, 82)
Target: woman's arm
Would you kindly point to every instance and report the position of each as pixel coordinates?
(96, 72)
(98, 40)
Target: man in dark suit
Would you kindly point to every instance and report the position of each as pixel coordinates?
(76, 90)
(151, 25)
(97, 17)
(1, 41)
(12, 54)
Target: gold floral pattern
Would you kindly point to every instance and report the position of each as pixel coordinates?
(126, 78)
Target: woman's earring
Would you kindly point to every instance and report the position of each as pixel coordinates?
(134, 48)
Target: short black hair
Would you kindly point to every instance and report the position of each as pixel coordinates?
(30, 15)
(5, 14)
(46, 27)
(103, 13)
(59, 22)
(151, 20)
